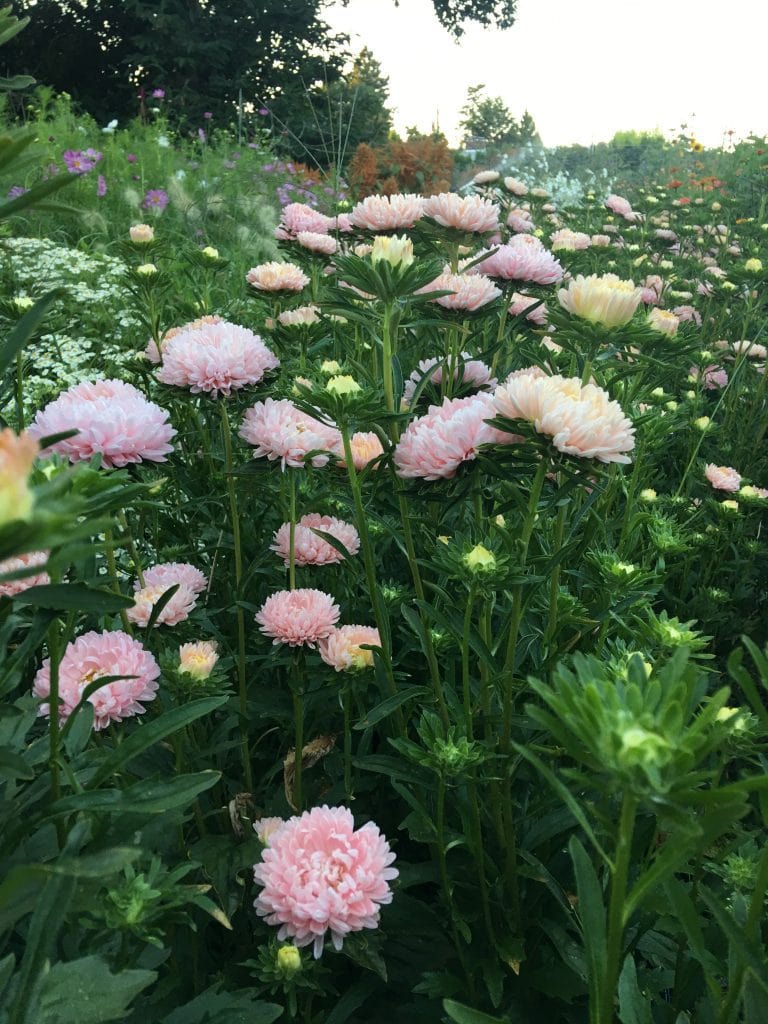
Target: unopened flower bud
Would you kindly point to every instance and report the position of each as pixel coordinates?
(210, 253)
(141, 234)
(288, 961)
(146, 270)
(753, 265)
(343, 385)
(479, 559)
(393, 249)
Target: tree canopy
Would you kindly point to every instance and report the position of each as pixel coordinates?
(489, 118)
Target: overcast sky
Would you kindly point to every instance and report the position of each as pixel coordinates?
(583, 68)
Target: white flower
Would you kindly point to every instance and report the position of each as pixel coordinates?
(163, 141)
(110, 127)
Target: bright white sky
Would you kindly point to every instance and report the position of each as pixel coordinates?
(583, 68)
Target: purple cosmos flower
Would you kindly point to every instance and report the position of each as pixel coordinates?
(156, 199)
(207, 115)
(16, 190)
(158, 94)
(131, 158)
(77, 162)
(101, 186)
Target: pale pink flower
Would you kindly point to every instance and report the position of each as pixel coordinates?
(485, 177)
(157, 581)
(112, 418)
(471, 372)
(520, 303)
(687, 314)
(520, 221)
(750, 348)
(665, 235)
(581, 420)
(520, 260)
(605, 300)
(141, 234)
(470, 291)
(281, 431)
(515, 186)
(342, 648)
(277, 277)
(93, 656)
(365, 447)
(343, 223)
(463, 213)
(296, 617)
(11, 588)
(321, 875)
(265, 828)
(167, 573)
(313, 241)
(152, 353)
(622, 207)
(302, 316)
(387, 213)
(722, 478)
(298, 217)
(215, 358)
(652, 289)
(663, 321)
(17, 454)
(198, 659)
(601, 241)
(571, 240)
(309, 547)
(712, 377)
(435, 445)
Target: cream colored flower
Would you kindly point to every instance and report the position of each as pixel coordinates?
(16, 457)
(606, 300)
(397, 250)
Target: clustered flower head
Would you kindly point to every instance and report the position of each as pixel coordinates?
(94, 656)
(581, 419)
(309, 547)
(215, 358)
(298, 617)
(299, 217)
(281, 431)
(523, 258)
(17, 453)
(469, 292)
(198, 659)
(722, 478)
(471, 372)
(434, 446)
(463, 213)
(157, 580)
(320, 875)
(343, 648)
(30, 560)
(387, 213)
(113, 419)
(605, 300)
(365, 447)
(277, 277)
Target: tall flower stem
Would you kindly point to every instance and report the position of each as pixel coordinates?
(298, 731)
(114, 585)
(54, 728)
(292, 531)
(465, 684)
(554, 581)
(604, 1012)
(19, 392)
(131, 545)
(345, 698)
(505, 297)
(388, 348)
(234, 515)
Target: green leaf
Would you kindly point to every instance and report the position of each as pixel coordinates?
(466, 1015)
(352, 999)
(216, 1007)
(750, 954)
(634, 1008)
(13, 765)
(147, 735)
(17, 82)
(386, 707)
(7, 965)
(25, 328)
(34, 195)
(592, 916)
(161, 602)
(85, 991)
(146, 797)
(74, 597)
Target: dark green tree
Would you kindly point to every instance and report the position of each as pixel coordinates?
(488, 13)
(201, 53)
(327, 123)
(489, 118)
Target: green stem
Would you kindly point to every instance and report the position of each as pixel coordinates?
(114, 584)
(554, 581)
(615, 939)
(298, 729)
(131, 545)
(19, 392)
(292, 532)
(54, 727)
(226, 434)
(387, 352)
(345, 701)
(445, 884)
(465, 686)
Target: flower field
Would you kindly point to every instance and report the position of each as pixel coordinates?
(384, 590)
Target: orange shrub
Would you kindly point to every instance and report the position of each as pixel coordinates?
(423, 164)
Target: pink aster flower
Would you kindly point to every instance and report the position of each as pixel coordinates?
(11, 588)
(520, 220)
(281, 431)
(387, 213)
(365, 448)
(313, 241)
(320, 874)
(277, 277)
(309, 547)
(722, 478)
(296, 617)
(342, 649)
(112, 418)
(622, 207)
(93, 656)
(463, 213)
(571, 240)
(471, 372)
(435, 445)
(167, 573)
(298, 217)
(581, 420)
(688, 314)
(520, 260)
(215, 358)
(515, 186)
(470, 292)
(712, 376)
(302, 316)
(265, 828)
(157, 581)
(522, 303)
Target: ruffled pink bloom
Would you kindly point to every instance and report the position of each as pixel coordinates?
(265, 828)
(567, 239)
(521, 303)
(319, 874)
(688, 313)
(722, 478)
(297, 617)
(313, 241)
(342, 648)
(297, 217)
(311, 549)
(470, 291)
(91, 657)
(601, 241)
(665, 235)
(520, 220)
(713, 377)
(302, 316)
(471, 372)
(152, 353)
(515, 186)
(216, 359)
(277, 277)
(434, 446)
(365, 448)
(652, 289)
(343, 223)
(623, 207)
(516, 261)
(114, 420)
(485, 177)
(749, 348)
(387, 213)
(281, 431)
(580, 419)
(463, 213)
(28, 561)
(157, 581)
(167, 573)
